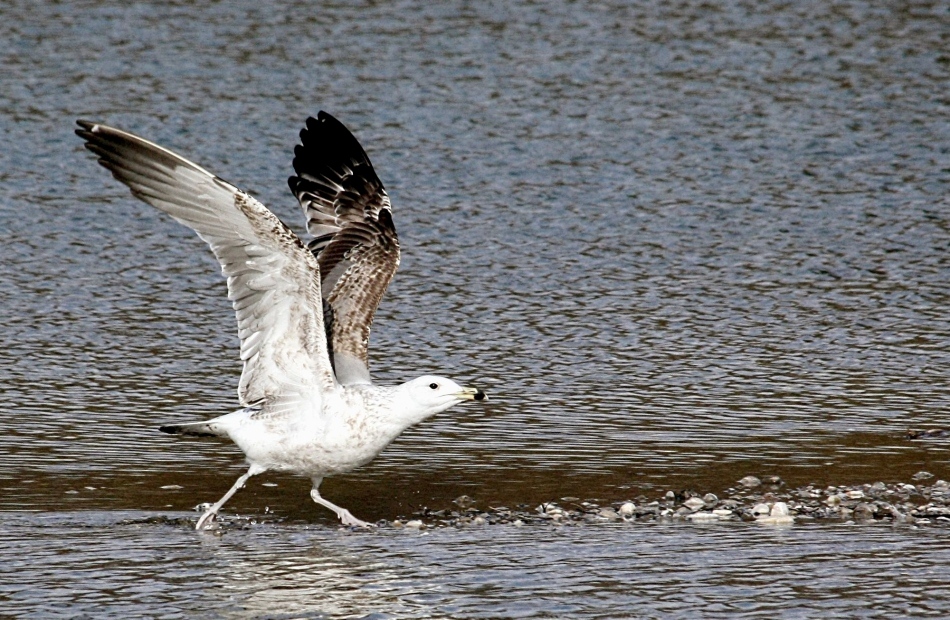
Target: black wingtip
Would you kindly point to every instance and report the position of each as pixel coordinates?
(171, 429)
(320, 124)
(324, 116)
(328, 150)
(332, 137)
(97, 141)
(85, 131)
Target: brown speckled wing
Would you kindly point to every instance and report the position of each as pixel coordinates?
(273, 280)
(349, 214)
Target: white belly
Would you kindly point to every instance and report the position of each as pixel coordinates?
(310, 442)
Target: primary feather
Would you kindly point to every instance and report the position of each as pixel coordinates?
(350, 216)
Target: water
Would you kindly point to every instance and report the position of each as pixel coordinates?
(677, 244)
(294, 572)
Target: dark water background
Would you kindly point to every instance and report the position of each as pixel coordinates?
(677, 243)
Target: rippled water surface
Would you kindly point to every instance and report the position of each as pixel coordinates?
(677, 243)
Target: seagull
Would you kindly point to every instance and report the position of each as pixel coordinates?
(304, 310)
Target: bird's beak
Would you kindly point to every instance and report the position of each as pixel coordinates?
(472, 394)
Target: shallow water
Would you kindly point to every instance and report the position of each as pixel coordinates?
(677, 244)
(315, 572)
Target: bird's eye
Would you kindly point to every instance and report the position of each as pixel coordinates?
(434, 386)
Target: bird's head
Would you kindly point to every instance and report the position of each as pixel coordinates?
(429, 395)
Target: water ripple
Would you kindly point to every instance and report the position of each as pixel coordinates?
(677, 243)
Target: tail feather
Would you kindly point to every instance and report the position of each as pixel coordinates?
(215, 427)
(193, 429)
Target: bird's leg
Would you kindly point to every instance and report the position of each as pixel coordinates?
(208, 517)
(346, 517)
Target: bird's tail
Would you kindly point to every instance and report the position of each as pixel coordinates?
(216, 427)
(194, 429)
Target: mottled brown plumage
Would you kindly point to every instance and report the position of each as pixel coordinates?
(350, 216)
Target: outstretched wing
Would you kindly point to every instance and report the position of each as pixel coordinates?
(273, 280)
(349, 214)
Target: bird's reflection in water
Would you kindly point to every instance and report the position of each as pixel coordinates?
(308, 574)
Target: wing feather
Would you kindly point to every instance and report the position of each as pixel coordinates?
(273, 280)
(350, 215)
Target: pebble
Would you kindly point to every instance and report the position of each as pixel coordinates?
(778, 515)
(694, 503)
(902, 502)
(417, 524)
(922, 475)
(927, 434)
(779, 509)
(750, 482)
(864, 511)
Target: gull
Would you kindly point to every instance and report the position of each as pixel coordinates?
(304, 311)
